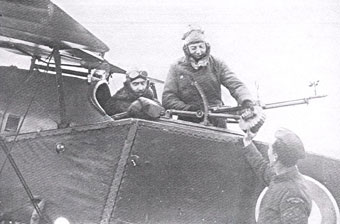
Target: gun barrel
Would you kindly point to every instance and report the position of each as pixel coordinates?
(285, 103)
(288, 103)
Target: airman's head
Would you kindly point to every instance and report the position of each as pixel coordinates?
(195, 44)
(137, 81)
(286, 149)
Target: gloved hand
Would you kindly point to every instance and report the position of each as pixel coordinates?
(151, 108)
(248, 104)
(135, 108)
(145, 108)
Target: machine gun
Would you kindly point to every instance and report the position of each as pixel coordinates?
(286, 103)
(232, 114)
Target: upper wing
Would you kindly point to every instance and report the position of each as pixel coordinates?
(43, 23)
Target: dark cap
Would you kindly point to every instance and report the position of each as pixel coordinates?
(288, 146)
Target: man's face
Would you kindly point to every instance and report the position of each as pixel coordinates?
(138, 86)
(197, 50)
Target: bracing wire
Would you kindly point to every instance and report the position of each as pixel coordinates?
(11, 159)
(22, 180)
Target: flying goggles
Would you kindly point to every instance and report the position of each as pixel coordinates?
(136, 74)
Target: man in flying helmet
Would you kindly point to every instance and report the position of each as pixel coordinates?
(135, 98)
(200, 67)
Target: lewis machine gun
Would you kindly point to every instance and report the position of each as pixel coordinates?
(236, 114)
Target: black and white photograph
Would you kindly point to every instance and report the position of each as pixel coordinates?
(169, 112)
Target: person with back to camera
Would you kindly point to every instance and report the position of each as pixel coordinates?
(199, 66)
(286, 200)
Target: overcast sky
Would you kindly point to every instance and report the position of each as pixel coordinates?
(280, 45)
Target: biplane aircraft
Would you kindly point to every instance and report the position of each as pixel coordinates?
(63, 159)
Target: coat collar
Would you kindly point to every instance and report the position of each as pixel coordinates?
(291, 173)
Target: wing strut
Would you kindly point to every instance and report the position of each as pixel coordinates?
(60, 86)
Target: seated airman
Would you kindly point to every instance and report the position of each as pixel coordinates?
(135, 99)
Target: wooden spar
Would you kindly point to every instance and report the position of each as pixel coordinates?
(63, 71)
(60, 86)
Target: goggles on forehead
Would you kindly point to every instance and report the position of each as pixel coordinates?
(136, 74)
